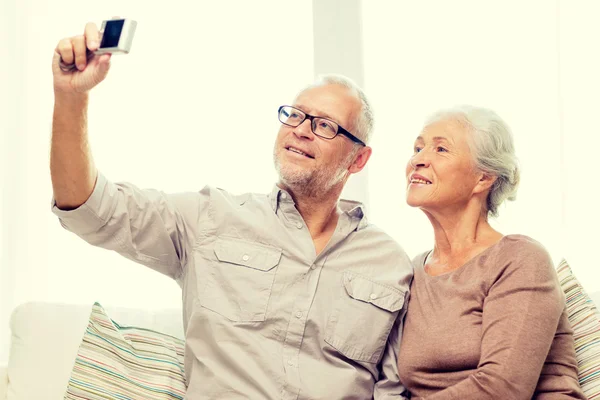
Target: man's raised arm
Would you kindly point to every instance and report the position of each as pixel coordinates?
(71, 164)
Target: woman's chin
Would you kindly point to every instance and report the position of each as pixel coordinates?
(421, 204)
(411, 201)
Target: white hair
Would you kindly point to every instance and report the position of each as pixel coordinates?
(364, 121)
(493, 149)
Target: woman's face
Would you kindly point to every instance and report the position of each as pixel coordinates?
(441, 174)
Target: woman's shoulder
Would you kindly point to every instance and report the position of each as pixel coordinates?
(516, 245)
(419, 260)
(523, 254)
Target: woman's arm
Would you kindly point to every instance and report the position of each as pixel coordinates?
(520, 316)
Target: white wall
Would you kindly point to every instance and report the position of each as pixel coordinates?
(10, 164)
(579, 93)
(338, 48)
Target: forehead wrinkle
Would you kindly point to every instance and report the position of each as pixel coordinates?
(342, 95)
(445, 125)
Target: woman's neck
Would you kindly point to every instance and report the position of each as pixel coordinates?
(459, 236)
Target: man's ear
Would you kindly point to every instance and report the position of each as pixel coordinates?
(485, 183)
(360, 160)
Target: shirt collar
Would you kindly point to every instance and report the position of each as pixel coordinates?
(277, 195)
(354, 209)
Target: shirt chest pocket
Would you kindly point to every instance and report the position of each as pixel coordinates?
(239, 282)
(362, 317)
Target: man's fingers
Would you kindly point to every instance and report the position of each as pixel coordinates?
(104, 64)
(65, 50)
(92, 36)
(80, 50)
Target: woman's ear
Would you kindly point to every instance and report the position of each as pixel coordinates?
(485, 183)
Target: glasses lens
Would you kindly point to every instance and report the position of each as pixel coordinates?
(291, 116)
(325, 128)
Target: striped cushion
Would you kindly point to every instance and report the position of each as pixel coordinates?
(119, 362)
(584, 320)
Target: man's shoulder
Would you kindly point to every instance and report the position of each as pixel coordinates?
(377, 238)
(375, 230)
(234, 197)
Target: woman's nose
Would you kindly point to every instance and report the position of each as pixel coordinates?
(420, 159)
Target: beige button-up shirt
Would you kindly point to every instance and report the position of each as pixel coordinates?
(265, 316)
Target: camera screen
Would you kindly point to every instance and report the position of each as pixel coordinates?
(112, 33)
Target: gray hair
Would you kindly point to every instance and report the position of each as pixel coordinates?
(493, 149)
(364, 121)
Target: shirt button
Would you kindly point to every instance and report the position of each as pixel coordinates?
(283, 196)
(373, 296)
(313, 266)
(299, 225)
(246, 257)
(299, 314)
(290, 363)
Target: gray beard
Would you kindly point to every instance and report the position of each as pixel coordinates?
(315, 183)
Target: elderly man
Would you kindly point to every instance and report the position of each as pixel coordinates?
(288, 295)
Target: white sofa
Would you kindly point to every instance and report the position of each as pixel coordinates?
(45, 339)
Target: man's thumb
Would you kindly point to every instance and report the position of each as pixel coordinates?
(103, 66)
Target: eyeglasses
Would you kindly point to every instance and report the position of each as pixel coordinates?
(322, 127)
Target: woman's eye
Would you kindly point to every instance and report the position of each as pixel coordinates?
(441, 149)
(417, 149)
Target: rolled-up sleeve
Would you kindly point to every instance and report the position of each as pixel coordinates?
(389, 386)
(145, 225)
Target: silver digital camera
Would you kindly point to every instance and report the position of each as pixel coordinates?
(116, 37)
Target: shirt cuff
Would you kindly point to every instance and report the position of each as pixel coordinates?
(86, 218)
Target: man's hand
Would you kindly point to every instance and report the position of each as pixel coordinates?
(88, 73)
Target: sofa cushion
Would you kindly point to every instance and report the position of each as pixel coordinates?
(44, 342)
(583, 317)
(596, 300)
(124, 362)
(45, 338)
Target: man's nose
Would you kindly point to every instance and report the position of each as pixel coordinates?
(304, 130)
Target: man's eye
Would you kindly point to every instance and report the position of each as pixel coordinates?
(326, 125)
(417, 149)
(441, 149)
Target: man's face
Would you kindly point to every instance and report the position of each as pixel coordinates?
(304, 160)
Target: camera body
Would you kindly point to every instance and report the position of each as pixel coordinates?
(117, 36)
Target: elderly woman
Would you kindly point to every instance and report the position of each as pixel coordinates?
(486, 317)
